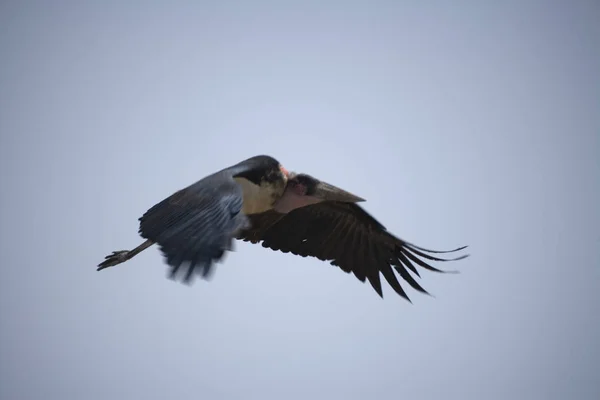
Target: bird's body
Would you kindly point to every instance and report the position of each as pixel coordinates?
(257, 200)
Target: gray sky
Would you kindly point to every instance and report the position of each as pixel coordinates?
(460, 122)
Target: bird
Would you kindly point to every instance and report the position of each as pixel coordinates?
(259, 201)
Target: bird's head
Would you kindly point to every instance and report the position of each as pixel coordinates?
(306, 185)
(303, 190)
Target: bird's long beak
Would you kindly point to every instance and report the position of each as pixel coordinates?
(325, 191)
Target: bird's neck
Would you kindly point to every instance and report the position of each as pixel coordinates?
(292, 199)
(261, 197)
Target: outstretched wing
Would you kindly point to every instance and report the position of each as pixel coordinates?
(196, 225)
(347, 236)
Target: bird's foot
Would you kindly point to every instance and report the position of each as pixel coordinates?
(117, 257)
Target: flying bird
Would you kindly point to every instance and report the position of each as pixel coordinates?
(259, 201)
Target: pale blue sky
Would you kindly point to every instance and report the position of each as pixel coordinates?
(463, 122)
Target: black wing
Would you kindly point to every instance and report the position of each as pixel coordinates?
(346, 235)
(196, 225)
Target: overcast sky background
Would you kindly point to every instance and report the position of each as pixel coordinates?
(463, 122)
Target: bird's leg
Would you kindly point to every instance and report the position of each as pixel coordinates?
(120, 256)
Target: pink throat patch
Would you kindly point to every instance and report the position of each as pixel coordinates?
(294, 197)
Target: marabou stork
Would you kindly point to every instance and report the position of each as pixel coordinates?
(258, 200)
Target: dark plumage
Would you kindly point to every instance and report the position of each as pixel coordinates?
(197, 224)
(257, 200)
(347, 236)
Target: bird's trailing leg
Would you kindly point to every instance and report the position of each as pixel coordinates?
(120, 256)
